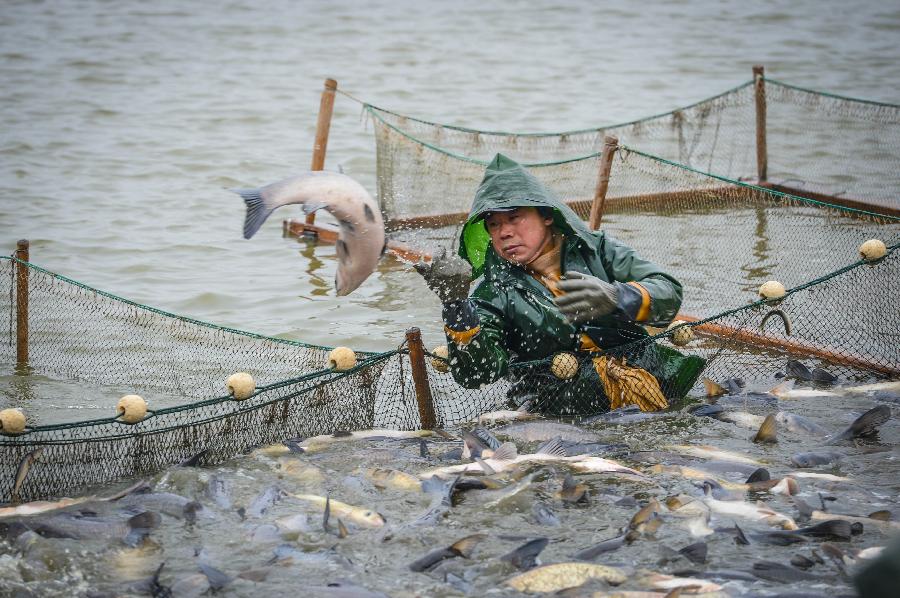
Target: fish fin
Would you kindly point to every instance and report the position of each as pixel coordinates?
(327, 513)
(342, 529)
(465, 546)
(869, 422)
(739, 536)
(194, 460)
(569, 483)
(822, 377)
(506, 452)
(767, 430)
(257, 210)
(216, 578)
(384, 248)
(488, 470)
(760, 475)
(714, 389)
(485, 436)
(837, 528)
(782, 388)
(883, 515)
(525, 556)
(293, 446)
(553, 447)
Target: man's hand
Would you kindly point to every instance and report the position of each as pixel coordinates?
(586, 297)
(448, 276)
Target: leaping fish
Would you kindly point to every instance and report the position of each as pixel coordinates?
(360, 241)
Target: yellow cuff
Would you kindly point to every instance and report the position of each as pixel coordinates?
(462, 337)
(644, 311)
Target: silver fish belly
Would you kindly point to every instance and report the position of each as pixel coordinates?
(361, 240)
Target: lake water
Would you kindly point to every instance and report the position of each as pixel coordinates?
(124, 124)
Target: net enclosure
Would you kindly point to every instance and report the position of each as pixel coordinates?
(100, 341)
(808, 143)
(719, 234)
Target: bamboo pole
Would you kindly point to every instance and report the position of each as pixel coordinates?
(610, 144)
(22, 304)
(420, 378)
(759, 86)
(326, 108)
(761, 340)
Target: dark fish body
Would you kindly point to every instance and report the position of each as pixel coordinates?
(525, 556)
(771, 571)
(589, 554)
(813, 458)
(164, 502)
(69, 525)
(460, 548)
(866, 424)
(796, 369)
(696, 553)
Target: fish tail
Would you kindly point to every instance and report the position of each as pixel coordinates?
(257, 210)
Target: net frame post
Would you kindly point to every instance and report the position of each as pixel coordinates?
(610, 145)
(323, 126)
(759, 87)
(22, 253)
(420, 378)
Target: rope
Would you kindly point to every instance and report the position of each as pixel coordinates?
(835, 96)
(781, 194)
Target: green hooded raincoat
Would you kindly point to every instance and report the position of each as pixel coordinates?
(520, 323)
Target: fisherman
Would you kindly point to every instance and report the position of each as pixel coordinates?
(552, 285)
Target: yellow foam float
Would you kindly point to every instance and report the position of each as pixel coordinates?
(873, 249)
(440, 365)
(564, 366)
(682, 336)
(341, 359)
(12, 421)
(132, 409)
(241, 385)
(772, 290)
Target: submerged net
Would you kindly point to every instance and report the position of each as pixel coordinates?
(817, 144)
(92, 338)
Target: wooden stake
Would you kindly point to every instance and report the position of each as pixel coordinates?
(326, 107)
(22, 304)
(420, 378)
(762, 160)
(610, 145)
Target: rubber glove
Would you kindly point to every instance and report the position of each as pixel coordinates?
(448, 276)
(586, 297)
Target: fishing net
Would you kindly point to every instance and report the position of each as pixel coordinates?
(719, 236)
(818, 145)
(97, 341)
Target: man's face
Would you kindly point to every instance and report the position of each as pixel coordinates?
(519, 235)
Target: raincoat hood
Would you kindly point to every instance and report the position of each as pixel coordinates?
(506, 185)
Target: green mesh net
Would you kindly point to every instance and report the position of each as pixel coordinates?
(720, 236)
(819, 145)
(84, 335)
